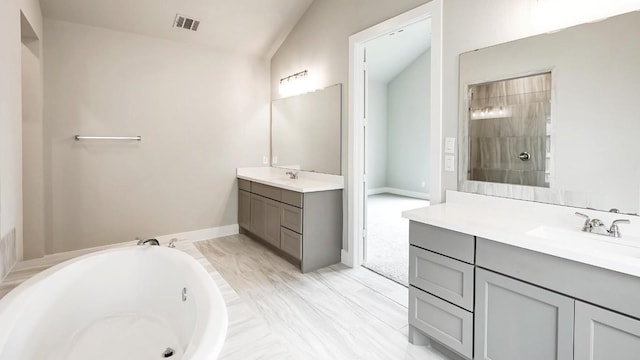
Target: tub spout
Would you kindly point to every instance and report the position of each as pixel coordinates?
(149, 242)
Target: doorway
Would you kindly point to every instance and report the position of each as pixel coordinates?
(362, 172)
(397, 111)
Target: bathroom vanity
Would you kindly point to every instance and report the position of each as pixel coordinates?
(300, 218)
(494, 278)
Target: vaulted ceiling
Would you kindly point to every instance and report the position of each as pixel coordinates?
(255, 27)
(389, 54)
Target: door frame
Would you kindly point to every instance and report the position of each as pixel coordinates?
(354, 254)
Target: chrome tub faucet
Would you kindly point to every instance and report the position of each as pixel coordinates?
(154, 242)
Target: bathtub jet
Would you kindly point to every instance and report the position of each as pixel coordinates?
(125, 303)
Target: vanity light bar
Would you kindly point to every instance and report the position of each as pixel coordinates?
(294, 77)
(300, 75)
(490, 113)
(294, 84)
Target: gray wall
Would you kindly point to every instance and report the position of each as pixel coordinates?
(376, 135)
(201, 114)
(408, 136)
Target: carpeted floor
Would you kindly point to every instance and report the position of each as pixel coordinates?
(387, 247)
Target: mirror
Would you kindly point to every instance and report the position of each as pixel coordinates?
(590, 126)
(306, 131)
(508, 137)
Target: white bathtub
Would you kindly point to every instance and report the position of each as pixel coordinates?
(124, 303)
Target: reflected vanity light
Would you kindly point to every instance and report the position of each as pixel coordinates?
(490, 112)
(294, 84)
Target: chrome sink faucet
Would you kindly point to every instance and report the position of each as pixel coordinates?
(292, 174)
(596, 226)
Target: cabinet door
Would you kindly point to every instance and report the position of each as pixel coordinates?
(292, 218)
(258, 215)
(515, 320)
(244, 209)
(272, 222)
(291, 242)
(602, 334)
(449, 279)
(448, 324)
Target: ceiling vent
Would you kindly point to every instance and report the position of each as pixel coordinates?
(185, 22)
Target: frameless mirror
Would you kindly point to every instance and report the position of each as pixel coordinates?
(306, 131)
(568, 130)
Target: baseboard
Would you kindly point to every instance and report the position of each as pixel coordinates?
(345, 258)
(401, 192)
(376, 191)
(202, 234)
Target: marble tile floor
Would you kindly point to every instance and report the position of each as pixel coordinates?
(333, 313)
(275, 312)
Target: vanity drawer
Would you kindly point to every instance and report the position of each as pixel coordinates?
(244, 184)
(442, 241)
(266, 191)
(444, 322)
(291, 218)
(291, 198)
(291, 243)
(449, 279)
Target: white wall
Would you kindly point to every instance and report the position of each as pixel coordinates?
(376, 152)
(408, 154)
(32, 150)
(11, 113)
(474, 24)
(201, 114)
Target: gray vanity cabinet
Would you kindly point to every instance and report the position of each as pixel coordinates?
(515, 320)
(487, 300)
(441, 278)
(305, 228)
(603, 335)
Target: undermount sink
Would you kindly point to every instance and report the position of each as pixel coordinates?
(285, 179)
(555, 233)
(574, 238)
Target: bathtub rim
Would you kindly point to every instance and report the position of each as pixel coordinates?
(203, 346)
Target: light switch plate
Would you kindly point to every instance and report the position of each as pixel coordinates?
(450, 145)
(449, 163)
(274, 159)
(265, 160)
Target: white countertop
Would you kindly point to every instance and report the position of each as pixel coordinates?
(306, 182)
(549, 229)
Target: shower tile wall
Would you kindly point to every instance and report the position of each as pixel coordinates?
(497, 142)
(7, 253)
